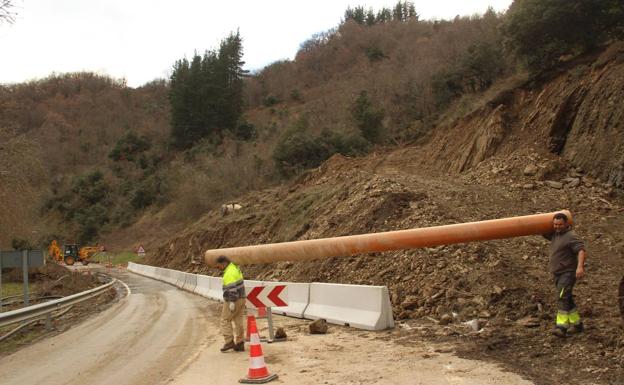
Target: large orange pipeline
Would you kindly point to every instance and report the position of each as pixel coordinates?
(391, 240)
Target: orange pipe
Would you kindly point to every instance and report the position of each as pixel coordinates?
(391, 240)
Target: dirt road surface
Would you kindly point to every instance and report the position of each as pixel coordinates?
(159, 334)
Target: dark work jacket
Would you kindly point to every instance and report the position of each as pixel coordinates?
(564, 249)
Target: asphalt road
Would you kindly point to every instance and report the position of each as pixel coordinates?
(161, 335)
(142, 339)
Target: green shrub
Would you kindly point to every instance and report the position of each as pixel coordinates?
(541, 31)
(349, 145)
(368, 118)
(298, 150)
(129, 147)
(245, 131)
(90, 220)
(270, 101)
(374, 54)
(481, 65)
(295, 95)
(146, 193)
(446, 86)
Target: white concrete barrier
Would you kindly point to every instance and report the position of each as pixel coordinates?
(180, 278)
(209, 287)
(363, 307)
(298, 299)
(169, 276)
(359, 306)
(149, 271)
(161, 274)
(216, 289)
(190, 283)
(203, 285)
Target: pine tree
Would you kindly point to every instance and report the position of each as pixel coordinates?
(384, 15)
(206, 94)
(230, 64)
(370, 17)
(397, 12)
(411, 11)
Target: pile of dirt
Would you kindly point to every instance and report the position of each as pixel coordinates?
(52, 280)
(500, 284)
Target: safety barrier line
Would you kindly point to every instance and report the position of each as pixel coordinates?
(359, 306)
(38, 310)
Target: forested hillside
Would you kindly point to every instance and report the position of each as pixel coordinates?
(87, 158)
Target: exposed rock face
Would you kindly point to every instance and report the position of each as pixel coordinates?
(596, 137)
(578, 114)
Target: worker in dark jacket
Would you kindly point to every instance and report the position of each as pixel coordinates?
(233, 310)
(567, 264)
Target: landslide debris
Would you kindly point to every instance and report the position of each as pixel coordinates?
(536, 148)
(504, 285)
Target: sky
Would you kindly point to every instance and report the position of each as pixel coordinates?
(139, 40)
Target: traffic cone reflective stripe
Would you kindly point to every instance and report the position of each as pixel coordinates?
(258, 372)
(257, 368)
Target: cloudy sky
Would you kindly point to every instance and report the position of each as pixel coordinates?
(140, 39)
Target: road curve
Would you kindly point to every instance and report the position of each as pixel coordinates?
(145, 338)
(160, 334)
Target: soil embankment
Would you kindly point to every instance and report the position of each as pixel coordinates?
(556, 143)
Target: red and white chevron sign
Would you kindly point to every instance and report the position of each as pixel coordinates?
(268, 296)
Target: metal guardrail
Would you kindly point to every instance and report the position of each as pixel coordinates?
(36, 311)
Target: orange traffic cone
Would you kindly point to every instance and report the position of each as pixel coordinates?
(258, 372)
(247, 332)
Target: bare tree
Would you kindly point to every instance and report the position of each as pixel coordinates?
(6, 15)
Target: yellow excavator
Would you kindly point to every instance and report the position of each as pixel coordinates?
(72, 253)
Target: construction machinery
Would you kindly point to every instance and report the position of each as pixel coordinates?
(72, 253)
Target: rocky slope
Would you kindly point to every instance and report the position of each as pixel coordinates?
(576, 112)
(537, 148)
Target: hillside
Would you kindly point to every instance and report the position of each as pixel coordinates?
(379, 126)
(58, 131)
(498, 161)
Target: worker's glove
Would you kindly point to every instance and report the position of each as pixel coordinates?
(232, 306)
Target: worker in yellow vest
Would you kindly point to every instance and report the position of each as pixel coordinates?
(233, 306)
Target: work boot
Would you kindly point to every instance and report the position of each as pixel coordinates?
(228, 346)
(559, 332)
(239, 347)
(576, 329)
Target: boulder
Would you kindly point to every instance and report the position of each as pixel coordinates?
(530, 170)
(446, 319)
(554, 184)
(318, 327)
(575, 182)
(280, 333)
(529, 322)
(411, 302)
